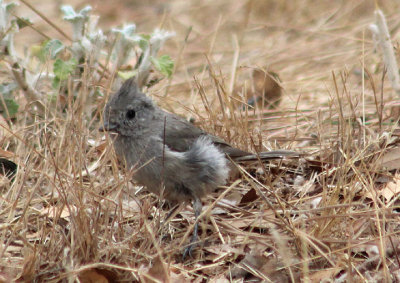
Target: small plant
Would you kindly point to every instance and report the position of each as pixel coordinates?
(88, 51)
(51, 98)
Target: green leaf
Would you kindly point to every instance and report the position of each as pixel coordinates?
(10, 7)
(23, 22)
(52, 97)
(144, 41)
(72, 16)
(146, 36)
(77, 20)
(63, 69)
(12, 107)
(126, 31)
(55, 83)
(164, 64)
(52, 48)
(127, 75)
(48, 50)
(6, 91)
(68, 11)
(98, 92)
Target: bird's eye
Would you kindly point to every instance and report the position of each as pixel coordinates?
(130, 114)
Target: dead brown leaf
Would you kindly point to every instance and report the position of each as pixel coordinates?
(178, 277)
(5, 278)
(53, 211)
(250, 196)
(323, 274)
(99, 145)
(253, 260)
(266, 85)
(391, 159)
(219, 279)
(263, 89)
(158, 272)
(28, 269)
(92, 276)
(391, 189)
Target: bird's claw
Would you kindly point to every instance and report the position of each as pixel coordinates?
(188, 251)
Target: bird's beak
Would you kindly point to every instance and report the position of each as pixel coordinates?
(108, 127)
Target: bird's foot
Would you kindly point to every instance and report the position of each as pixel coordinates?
(188, 251)
(194, 239)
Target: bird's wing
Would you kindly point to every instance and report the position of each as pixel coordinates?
(179, 135)
(232, 152)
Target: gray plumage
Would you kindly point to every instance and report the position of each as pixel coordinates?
(173, 157)
(182, 159)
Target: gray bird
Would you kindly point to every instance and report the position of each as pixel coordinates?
(173, 158)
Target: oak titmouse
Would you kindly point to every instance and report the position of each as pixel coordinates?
(173, 158)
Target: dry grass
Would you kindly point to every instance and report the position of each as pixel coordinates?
(72, 214)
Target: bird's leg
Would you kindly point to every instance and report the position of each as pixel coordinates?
(172, 213)
(197, 207)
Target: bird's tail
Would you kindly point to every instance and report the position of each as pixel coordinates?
(267, 155)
